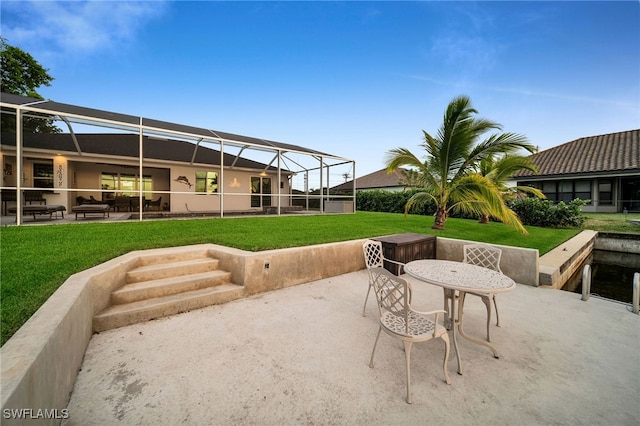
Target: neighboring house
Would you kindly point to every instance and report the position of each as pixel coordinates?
(376, 180)
(148, 159)
(604, 169)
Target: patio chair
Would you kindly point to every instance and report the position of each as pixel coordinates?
(135, 203)
(155, 204)
(374, 258)
(400, 321)
(122, 202)
(487, 257)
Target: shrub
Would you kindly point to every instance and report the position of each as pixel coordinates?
(390, 202)
(537, 212)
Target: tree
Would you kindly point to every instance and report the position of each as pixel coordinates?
(449, 173)
(21, 75)
(500, 170)
(410, 178)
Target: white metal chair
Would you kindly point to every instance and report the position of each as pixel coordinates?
(374, 258)
(487, 257)
(399, 320)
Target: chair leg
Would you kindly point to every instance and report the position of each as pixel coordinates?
(365, 302)
(495, 305)
(374, 347)
(447, 350)
(407, 355)
(487, 303)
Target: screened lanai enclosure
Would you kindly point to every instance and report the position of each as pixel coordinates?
(61, 155)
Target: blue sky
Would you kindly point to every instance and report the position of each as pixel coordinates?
(353, 79)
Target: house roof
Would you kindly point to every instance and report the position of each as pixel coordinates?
(85, 115)
(126, 145)
(610, 153)
(376, 180)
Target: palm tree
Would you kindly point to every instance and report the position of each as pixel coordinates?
(449, 175)
(500, 170)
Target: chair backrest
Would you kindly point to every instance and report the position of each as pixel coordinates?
(392, 294)
(483, 255)
(373, 257)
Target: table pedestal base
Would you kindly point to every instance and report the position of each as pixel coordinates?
(453, 321)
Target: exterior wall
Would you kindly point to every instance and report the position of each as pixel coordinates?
(84, 173)
(595, 206)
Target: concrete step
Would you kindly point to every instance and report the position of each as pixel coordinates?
(166, 269)
(167, 286)
(145, 310)
(177, 256)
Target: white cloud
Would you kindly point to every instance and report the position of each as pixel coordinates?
(75, 26)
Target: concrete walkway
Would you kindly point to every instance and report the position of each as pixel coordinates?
(301, 356)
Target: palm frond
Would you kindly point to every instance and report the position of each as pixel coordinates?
(419, 198)
(478, 195)
(398, 157)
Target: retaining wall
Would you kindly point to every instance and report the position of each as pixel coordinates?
(520, 264)
(618, 241)
(559, 264)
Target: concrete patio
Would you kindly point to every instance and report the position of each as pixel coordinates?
(300, 355)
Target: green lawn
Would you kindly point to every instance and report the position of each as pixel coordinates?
(36, 260)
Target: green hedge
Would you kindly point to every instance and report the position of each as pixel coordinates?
(537, 212)
(531, 211)
(390, 202)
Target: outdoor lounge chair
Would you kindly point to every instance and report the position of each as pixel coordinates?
(374, 258)
(29, 210)
(487, 257)
(85, 209)
(399, 320)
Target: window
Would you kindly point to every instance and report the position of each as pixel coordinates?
(43, 175)
(125, 184)
(567, 190)
(550, 190)
(582, 189)
(605, 193)
(207, 182)
(261, 186)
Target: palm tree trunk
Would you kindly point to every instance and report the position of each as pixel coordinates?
(441, 218)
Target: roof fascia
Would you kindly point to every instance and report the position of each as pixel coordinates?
(614, 173)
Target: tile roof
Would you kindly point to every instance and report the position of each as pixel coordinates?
(613, 152)
(376, 180)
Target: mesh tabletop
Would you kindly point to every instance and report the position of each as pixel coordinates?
(459, 276)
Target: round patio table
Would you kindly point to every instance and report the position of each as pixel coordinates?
(457, 279)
